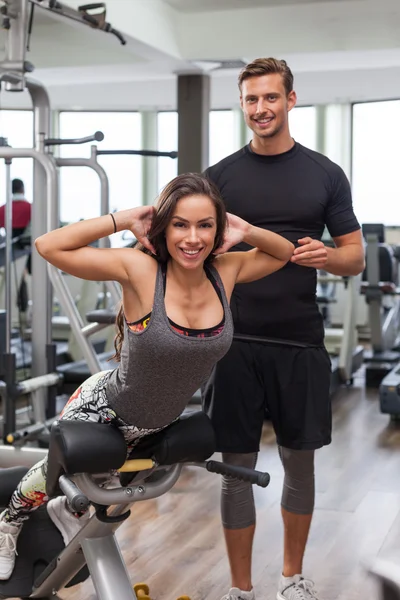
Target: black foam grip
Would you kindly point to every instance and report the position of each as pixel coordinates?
(242, 473)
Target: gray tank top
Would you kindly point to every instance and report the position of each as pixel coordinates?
(161, 369)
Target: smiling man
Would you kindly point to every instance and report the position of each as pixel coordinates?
(276, 183)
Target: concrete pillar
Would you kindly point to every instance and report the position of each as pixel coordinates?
(193, 123)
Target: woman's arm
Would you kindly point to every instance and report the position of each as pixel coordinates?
(271, 251)
(68, 247)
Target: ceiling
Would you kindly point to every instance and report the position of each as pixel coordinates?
(189, 6)
(339, 50)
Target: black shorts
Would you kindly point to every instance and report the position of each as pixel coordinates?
(291, 383)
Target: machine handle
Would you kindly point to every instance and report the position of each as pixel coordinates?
(98, 136)
(242, 473)
(76, 499)
(137, 152)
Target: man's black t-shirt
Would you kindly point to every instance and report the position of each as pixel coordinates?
(296, 194)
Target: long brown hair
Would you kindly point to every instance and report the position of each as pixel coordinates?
(189, 184)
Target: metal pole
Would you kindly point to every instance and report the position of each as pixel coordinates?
(104, 201)
(107, 568)
(7, 267)
(16, 41)
(104, 185)
(42, 221)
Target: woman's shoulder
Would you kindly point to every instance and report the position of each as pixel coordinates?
(223, 267)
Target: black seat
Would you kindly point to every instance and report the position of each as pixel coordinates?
(81, 447)
(189, 439)
(9, 479)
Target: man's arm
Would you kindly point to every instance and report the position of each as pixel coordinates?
(348, 258)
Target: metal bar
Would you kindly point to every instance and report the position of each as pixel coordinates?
(71, 560)
(31, 385)
(349, 339)
(173, 154)
(93, 328)
(126, 495)
(75, 320)
(98, 136)
(374, 294)
(45, 196)
(8, 265)
(70, 13)
(16, 41)
(92, 163)
(107, 568)
(20, 412)
(20, 457)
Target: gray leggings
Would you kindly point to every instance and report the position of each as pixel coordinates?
(237, 500)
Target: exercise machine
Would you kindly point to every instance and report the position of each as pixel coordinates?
(382, 295)
(44, 379)
(81, 456)
(389, 393)
(342, 342)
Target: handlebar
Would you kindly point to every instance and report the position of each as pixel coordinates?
(76, 499)
(138, 152)
(98, 136)
(242, 473)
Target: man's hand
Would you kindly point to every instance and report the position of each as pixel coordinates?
(311, 253)
(234, 233)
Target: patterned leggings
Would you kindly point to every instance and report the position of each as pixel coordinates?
(88, 403)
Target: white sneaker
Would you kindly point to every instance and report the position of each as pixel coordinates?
(67, 524)
(296, 588)
(236, 594)
(9, 533)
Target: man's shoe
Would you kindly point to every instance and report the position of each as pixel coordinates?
(296, 588)
(67, 524)
(236, 594)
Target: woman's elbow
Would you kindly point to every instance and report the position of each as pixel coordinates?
(42, 246)
(289, 253)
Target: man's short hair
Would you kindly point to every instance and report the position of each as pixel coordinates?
(267, 66)
(18, 186)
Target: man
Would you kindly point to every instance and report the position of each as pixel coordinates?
(21, 218)
(276, 183)
(21, 209)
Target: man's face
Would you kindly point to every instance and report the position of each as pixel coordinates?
(265, 104)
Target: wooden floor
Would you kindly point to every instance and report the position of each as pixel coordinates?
(175, 543)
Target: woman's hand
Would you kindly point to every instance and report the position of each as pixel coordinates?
(235, 232)
(142, 218)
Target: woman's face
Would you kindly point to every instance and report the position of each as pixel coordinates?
(190, 234)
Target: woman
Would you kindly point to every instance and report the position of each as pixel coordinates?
(173, 326)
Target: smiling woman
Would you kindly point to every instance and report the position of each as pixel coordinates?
(182, 276)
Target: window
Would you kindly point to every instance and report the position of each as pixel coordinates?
(221, 142)
(222, 135)
(17, 127)
(303, 125)
(375, 178)
(167, 141)
(80, 186)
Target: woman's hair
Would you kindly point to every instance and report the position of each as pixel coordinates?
(189, 184)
